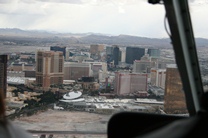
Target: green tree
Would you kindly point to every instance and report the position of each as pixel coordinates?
(47, 97)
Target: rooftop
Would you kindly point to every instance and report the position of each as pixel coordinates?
(17, 80)
(171, 66)
(148, 101)
(72, 95)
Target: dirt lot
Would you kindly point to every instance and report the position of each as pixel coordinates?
(55, 116)
(56, 120)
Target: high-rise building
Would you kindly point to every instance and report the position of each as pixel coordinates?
(116, 55)
(109, 50)
(3, 75)
(109, 54)
(96, 66)
(49, 68)
(126, 83)
(74, 70)
(174, 99)
(59, 48)
(95, 51)
(96, 48)
(123, 55)
(153, 52)
(113, 54)
(67, 54)
(143, 66)
(134, 53)
(157, 77)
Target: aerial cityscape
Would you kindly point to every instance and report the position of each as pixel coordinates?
(47, 79)
(68, 66)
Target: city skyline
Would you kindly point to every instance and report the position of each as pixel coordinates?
(98, 16)
(90, 82)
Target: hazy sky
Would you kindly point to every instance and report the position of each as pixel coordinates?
(131, 17)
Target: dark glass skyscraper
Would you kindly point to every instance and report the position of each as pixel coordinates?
(3, 75)
(109, 54)
(154, 52)
(116, 55)
(109, 50)
(134, 53)
(58, 48)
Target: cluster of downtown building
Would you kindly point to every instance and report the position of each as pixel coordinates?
(113, 71)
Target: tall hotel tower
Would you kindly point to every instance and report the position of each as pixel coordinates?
(174, 99)
(49, 68)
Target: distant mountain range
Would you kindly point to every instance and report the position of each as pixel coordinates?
(87, 38)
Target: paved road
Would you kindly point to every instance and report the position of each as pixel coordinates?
(67, 132)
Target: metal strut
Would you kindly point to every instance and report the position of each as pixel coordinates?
(183, 41)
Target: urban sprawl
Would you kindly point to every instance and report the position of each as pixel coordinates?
(97, 78)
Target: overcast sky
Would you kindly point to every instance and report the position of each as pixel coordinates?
(131, 17)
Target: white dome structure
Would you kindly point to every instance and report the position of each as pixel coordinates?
(72, 95)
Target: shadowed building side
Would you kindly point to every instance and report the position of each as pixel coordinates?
(116, 55)
(134, 53)
(3, 74)
(174, 99)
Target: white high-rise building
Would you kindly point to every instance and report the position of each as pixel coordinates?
(123, 55)
(96, 66)
(157, 77)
